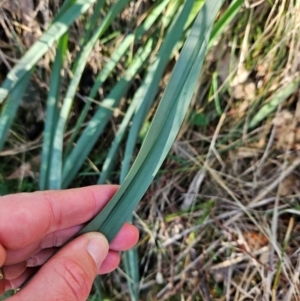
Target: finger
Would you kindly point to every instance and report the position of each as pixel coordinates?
(14, 271)
(48, 211)
(6, 285)
(110, 263)
(125, 239)
(55, 239)
(59, 238)
(41, 257)
(71, 271)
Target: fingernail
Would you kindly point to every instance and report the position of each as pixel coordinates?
(98, 248)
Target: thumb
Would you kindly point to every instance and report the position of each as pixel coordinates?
(70, 273)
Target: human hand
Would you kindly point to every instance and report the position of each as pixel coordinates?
(33, 225)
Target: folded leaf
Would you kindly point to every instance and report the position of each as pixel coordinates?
(164, 127)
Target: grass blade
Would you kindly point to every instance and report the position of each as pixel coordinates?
(98, 83)
(18, 77)
(33, 55)
(131, 265)
(224, 21)
(52, 112)
(164, 127)
(65, 6)
(148, 90)
(110, 161)
(114, 59)
(91, 24)
(275, 101)
(55, 177)
(96, 125)
(11, 107)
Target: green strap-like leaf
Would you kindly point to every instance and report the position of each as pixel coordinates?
(277, 98)
(52, 112)
(34, 54)
(164, 127)
(224, 21)
(147, 91)
(111, 64)
(18, 77)
(110, 160)
(97, 124)
(10, 108)
(131, 264)
(55, 177)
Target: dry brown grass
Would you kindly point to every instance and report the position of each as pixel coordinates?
(239, 237)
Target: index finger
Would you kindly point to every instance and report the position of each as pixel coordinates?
(27, 217)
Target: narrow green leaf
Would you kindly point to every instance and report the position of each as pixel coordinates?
(33, 55)
(164, 127)
(224, 21)
(110, 160)
(147, 92)
(20, 74)
(97, 296)
(216, 93)
(113, 61)
(65, 6)
(194, 13)
(131, 264)
(11, 107)
(98, 83)
(52, 112)
(92, 22)
(274, 102)
(55, 177)
(97, 124)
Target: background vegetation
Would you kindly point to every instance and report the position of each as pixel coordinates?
(220, 220)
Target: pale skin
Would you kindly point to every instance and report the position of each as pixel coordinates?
(33, 225)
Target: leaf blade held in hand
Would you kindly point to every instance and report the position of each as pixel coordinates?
(148, 89)
(164, 128)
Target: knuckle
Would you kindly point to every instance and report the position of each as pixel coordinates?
(55, 213)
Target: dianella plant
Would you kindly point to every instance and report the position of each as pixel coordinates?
(190, 27)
